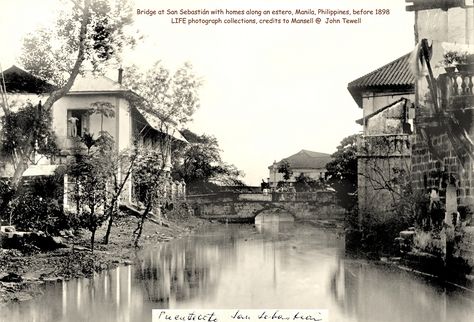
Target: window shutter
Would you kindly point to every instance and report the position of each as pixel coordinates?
(69, 130)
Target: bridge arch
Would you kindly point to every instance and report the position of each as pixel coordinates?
(274, 210)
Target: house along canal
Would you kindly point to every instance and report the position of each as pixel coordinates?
(277, 264)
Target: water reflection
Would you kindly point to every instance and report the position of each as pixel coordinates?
(271, 224)
(272, 265)
(381, 293)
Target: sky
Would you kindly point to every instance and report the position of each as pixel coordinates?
(269, 90)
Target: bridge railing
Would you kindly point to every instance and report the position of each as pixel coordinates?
(303, 196)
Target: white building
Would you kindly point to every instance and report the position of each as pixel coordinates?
(311, 164)
(75, 114)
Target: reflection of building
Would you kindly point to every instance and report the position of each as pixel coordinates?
(309, 163)
(385, 96)
(374, 293)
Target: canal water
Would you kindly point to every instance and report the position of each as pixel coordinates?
(270, 265)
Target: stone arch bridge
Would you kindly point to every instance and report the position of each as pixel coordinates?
(238, 207)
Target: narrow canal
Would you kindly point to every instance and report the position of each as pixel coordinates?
(270, 265)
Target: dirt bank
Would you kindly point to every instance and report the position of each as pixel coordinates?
(23, 272)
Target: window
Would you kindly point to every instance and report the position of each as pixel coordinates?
(77, 122)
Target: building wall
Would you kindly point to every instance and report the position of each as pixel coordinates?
(455, 25)
(381, 160)
(119, 126)
(276, 177)
(372, 102)
(382, 148)
(390, 121)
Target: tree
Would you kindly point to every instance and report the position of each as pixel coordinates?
(122, 165)
(170, 99)
(104, 109)
(87, 33)
(27, 129)
(202, 163)
(91, 173)
(285, 168)
(342, 172)
(305, 183)
(151, 180)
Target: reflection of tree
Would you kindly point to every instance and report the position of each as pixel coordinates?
(185, 269)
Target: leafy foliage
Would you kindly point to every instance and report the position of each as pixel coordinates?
(51, 53)
(151, 181)
(149, 176)
(38, 207)
(202, 163)
(29, 126)
(104, 109)
(342, 172)
(172, 97)
(305, 183)
(285, 168)
(34, 213)
(88, 33)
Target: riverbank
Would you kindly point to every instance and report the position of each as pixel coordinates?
(23, 273)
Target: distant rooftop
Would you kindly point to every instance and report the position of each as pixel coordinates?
(306, 159)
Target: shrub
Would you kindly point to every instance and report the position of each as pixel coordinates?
(35, 213)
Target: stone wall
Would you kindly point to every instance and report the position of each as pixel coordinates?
(437, 165)
(442, 154)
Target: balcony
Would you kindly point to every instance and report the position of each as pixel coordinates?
(456, 90)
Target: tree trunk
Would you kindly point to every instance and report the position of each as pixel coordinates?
(115, 198)
(55, 96)
(141, 223)
(111, 220)
(92, 240)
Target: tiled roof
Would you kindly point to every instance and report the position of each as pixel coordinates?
(160, 126)
(396, 73)
(306, 159)
(394, 76)
(18, 80)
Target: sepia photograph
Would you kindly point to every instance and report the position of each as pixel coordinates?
(221, 161)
